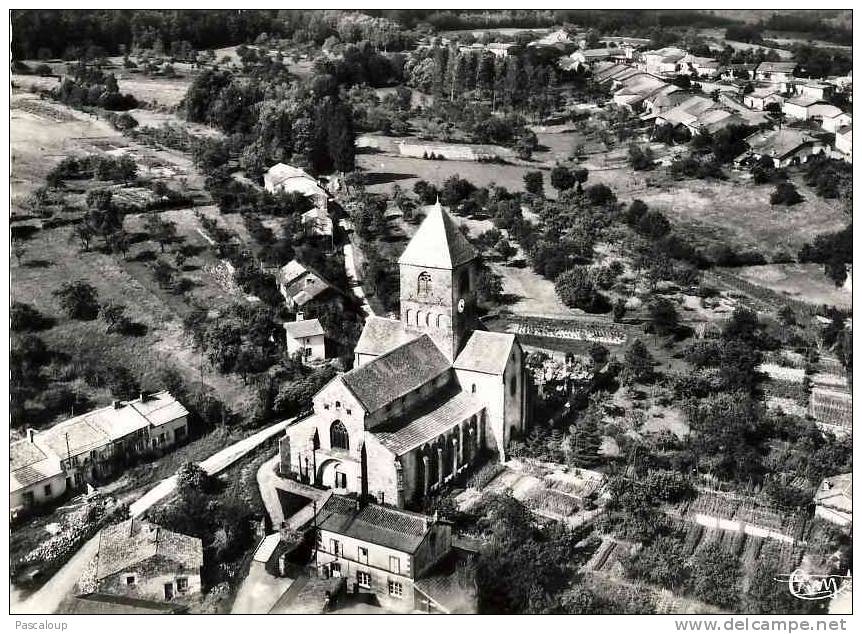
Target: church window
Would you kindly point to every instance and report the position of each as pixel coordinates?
(473, 388)
(464, 283)
(428, 319)
(423, 285)
(513, 384)
(338, 438)
(337, 404)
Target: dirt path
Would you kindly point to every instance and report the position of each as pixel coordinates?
(47, 599)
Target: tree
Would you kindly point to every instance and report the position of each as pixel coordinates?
(114, 315)
(122, 384)
(562, 178)
(505, 248)
(79, 300)
(534, 183)
(638, 364)
(640, 158)
(576, 289)
(581, 175)
(715, 575)
(585, 439)
(160, 230)
(84, 232)
(23, 317)
(19, 249)
(164, 273)
(663, 318)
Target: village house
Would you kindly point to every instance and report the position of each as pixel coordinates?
(778, 74)
(318, 221)
(306, 337)
(806, 107)
(428, 397)
(91, 447)
(706, 67)
(590, 57)
(664, 61)
(699, 115)
(762, 97)
(664, 100)
(785, 147)
(302, 287)
(839, 120)
(404, 559)
(834, 499)
(141, 560)
(286, 178)
(844, 142)
(750, 116)
(639, 89)
(816, 89)
(733, 72)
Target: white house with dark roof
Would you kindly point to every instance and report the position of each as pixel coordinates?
(306, 337)
(90, 447)
(428, 395)
(399, 556)
(140, 560)
(779, 74)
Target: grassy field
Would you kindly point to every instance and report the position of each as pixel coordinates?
(738, 213)
(800, 281)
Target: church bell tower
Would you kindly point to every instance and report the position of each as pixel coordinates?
(438, 278)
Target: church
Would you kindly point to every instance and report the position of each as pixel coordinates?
(428, 393)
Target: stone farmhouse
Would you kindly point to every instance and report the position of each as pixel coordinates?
(429, 394)
(141, 560)
(303, 287)
(404, 559)
(89, 448)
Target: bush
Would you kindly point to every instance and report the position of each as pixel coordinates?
(785, 194)
(23, 318)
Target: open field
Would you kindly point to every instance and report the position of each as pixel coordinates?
(805, 282)
(739, 214)
(53, 257)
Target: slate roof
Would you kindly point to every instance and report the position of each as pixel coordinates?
(804, 101)
(438, 243)
(486, 352)
(133, 541)
(449, 585)
(777, 143)
(420, 426)
(396, 373)
(303, 328)
(159, 408)
(302, 283)
(374, 523)
(380, 335)
(29, 465)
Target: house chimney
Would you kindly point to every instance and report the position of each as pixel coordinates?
(143, 397)
(300, 316)
(31, 434)
(116, 404)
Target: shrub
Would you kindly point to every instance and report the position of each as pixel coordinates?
(79, 300)
(785, 194)
(576, 289)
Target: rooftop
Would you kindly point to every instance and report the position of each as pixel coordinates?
(396, 373)
(438, 243)
(29, 465)
(427, 422)
(133, 541)
(836, 492)
(776, 67)
(486, 352)
(805, 100)
(380, 335)
(374, 523)
(281, 172)
(777, 143)
(303, 328)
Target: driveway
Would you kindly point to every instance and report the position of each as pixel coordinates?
(270, 484)
(47, 599)
(354, 281)
(259, 591)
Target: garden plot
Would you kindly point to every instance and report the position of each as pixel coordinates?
(833, 409)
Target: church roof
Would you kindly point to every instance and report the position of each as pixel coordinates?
(396, 373)
(438, 243)
(427, 423)
(381, 334)
(486, 352)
